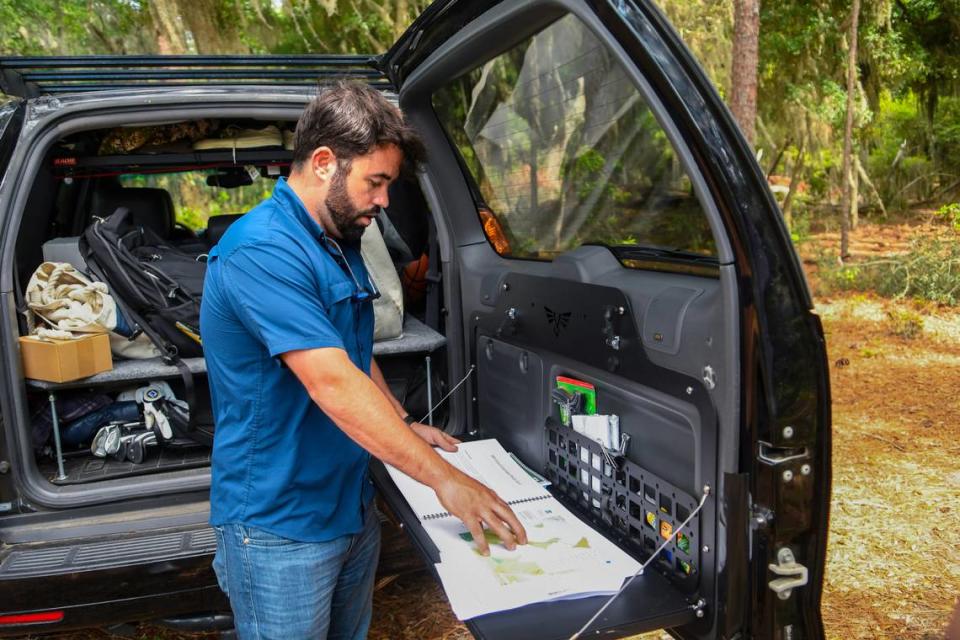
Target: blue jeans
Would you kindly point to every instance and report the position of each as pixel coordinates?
(286, 590)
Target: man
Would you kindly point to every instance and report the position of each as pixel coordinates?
(300, 404)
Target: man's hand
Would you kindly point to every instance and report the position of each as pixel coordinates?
(435, 437)
(476, 505)
(335, 383)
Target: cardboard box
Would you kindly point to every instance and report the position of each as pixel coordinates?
(65, 360)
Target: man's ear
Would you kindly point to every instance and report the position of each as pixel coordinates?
(323, 163)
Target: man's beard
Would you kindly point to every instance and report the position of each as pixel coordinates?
(342, 212)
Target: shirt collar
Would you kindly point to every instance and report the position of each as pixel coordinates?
(291, 203)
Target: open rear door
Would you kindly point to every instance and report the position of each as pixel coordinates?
(601, 220)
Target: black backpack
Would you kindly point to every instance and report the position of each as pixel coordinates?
(158, 289)
(157, 286)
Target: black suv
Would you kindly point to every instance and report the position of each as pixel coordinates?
(594, 213)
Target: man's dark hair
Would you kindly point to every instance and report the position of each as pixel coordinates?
(353, 119)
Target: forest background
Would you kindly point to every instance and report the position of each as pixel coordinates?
(853, 109)
(853, 106)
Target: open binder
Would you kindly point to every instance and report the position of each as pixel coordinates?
(485, 461)
(564, 558)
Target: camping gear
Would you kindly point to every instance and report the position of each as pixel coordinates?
(388, 308)
(156, 284)
(158, 287)
(63, 298)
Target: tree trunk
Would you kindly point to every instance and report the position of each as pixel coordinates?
(776, 161)
(865, 179)
(794, 182)
(847, 177)
(169, 35)
(401, 18)
(214, 27)
(743, 85)
(854, 195)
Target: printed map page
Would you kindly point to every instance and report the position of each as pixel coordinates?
(564, 558)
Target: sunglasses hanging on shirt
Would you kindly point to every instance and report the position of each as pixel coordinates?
(361, 294)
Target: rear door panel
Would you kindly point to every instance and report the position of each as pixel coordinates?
(711, 370)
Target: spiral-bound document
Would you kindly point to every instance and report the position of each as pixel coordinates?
(483, 460)
(563, 558)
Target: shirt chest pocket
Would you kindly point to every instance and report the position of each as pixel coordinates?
(338, 301)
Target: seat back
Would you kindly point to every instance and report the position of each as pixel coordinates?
(218, 225)
(149, 208)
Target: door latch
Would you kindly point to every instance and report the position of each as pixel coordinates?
(792, 574)
(778, 455)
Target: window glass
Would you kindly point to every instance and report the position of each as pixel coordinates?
(7, 109)
(195, 200)
(564, 151)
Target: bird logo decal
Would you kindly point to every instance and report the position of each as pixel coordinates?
(557, 320)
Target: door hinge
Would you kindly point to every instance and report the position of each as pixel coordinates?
(792, 574)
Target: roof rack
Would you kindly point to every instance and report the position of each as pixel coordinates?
(30, 77)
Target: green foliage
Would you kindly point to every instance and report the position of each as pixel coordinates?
(930, 270)
(946, 132)
(911, 159)
(799, 227)
(71, 27)
(909, 68)
(929, 38)
(905, 323)
(950, 213)
(895, 155)
(195, 202)
(908, 62)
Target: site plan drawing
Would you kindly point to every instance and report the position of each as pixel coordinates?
(564, 557)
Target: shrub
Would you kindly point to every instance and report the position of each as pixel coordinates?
(930, 270)
(905, 323)
(950, 213)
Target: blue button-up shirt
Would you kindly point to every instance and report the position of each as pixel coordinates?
(274, 284)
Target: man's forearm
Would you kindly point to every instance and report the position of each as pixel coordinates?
(359, 407)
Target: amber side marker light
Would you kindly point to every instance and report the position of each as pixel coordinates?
(32, 618)
(494, 232)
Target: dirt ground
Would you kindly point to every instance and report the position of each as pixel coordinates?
(893, 565)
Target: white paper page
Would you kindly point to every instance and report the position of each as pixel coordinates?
(471, 597)
(564, 558)
(484, 460)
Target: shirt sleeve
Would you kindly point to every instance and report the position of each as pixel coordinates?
(275, 294)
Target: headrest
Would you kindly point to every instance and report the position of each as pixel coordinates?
(150, 208)
(217, 226)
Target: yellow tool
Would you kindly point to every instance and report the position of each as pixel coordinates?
(189, 332)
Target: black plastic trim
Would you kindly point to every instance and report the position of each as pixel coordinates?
(94, 555)
(33, 76)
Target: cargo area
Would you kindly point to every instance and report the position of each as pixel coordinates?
(185, 183)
